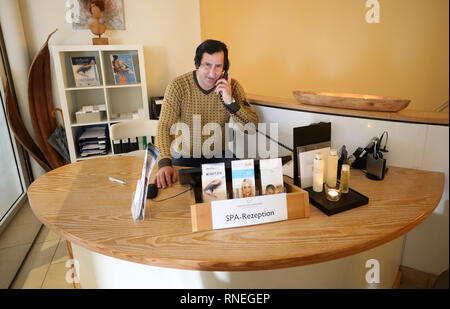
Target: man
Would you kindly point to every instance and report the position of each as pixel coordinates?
(209, 93)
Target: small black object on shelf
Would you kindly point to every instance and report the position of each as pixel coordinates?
(349, 200)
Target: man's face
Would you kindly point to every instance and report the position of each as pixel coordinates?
(210, 69)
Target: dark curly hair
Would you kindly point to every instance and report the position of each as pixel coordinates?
(211, 47)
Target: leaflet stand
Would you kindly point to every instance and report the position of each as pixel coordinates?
(293, 204)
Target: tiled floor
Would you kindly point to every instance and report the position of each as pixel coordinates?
(16, 240)
(45, 265)
(415, 279)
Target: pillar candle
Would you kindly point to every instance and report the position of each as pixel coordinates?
(318, 173)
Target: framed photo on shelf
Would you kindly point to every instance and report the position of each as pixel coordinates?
(85, 71)
(123, 69)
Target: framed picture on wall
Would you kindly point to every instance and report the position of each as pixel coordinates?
(79, 15)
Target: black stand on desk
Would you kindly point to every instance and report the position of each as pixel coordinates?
(349, 200)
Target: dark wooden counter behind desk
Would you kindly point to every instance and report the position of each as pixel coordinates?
(78, 202)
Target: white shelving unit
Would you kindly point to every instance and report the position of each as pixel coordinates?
(118, 99)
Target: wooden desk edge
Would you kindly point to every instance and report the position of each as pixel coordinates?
(223, 265)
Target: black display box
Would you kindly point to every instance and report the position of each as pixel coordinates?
(350, 200)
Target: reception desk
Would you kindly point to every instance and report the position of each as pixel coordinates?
(417, 140)
(78, 202)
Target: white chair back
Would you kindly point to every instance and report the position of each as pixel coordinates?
(134, 128)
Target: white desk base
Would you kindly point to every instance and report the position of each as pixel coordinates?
(100, 271)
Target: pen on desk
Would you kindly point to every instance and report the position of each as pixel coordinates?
(117, 180)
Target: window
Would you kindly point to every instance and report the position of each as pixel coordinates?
(11, 182)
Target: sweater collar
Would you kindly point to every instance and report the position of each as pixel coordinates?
(200, 87)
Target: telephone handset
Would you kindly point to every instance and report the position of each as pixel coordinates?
(225, 75)
(373, 148)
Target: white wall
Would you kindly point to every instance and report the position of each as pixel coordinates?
(169, 30)
(418, 146)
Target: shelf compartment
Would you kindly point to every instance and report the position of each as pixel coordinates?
(67, 69)
(108, 69)
(122, 101)
(77, 99)
(76, 133)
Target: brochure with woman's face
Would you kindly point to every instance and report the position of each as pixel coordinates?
(271, 176)
(243, 178)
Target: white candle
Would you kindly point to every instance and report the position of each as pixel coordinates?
(332, 168)
(333, 193)
(318, 173)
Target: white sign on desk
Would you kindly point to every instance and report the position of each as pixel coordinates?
(248, 211)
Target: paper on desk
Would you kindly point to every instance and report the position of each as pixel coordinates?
(140, 195)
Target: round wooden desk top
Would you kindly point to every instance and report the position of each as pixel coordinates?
(78, 202)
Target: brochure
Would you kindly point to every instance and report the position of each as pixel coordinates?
(271, 176)
(140, 195)
(123, 69)
(243, 178)
(85, 71)
(214, 186)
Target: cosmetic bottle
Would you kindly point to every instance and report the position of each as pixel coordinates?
(332, 162)
(318, 173)
(345, 178)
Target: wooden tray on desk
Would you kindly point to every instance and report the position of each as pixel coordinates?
(297, 207)
(352, 101)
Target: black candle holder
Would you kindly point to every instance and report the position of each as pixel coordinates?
(350, 200)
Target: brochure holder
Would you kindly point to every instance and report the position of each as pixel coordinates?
(294, 204)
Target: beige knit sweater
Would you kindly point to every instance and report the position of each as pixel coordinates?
(184, 99)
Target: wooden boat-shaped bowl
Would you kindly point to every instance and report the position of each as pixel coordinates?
(351, 101)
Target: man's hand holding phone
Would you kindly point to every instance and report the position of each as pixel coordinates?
(223, 88)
